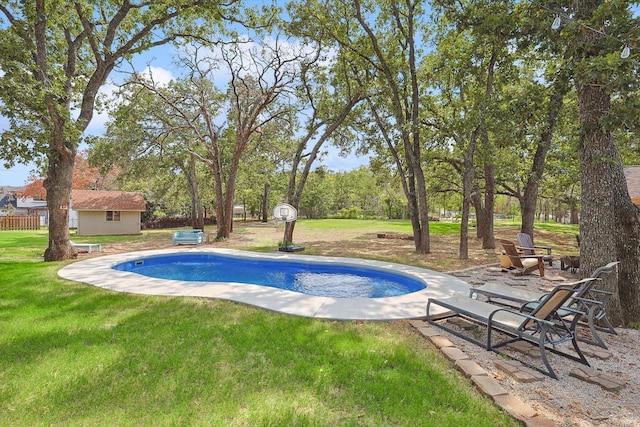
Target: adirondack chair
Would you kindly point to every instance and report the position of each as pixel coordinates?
(524, 264)
(526, 246)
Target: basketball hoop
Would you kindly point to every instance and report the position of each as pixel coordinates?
(286, 213)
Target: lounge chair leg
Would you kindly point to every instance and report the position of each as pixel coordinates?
(543, 352)
(574, 341)
(603, 318)
(610, 329)
(583, 359)
(593, 329)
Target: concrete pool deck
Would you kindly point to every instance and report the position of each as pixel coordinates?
(98, 272)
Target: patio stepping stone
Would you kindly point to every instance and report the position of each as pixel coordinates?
(597, 352)
(606, 381)
(518, 371)
(525, 348)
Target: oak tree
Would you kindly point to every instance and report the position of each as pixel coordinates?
(55, 56)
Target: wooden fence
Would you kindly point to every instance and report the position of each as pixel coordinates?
(19, 223)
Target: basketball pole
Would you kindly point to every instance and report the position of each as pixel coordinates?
(286, 226)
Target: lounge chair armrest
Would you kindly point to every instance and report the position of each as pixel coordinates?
(599, 295)
(599, 291)
(529, 306)
(587, 300)
(595, 308)
(573, 310)
(588, 304)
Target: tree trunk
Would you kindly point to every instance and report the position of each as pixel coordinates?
(226, 226)
(488, 239)
(289, 226)
(485, 227)
(218, 189)
(58, 186)
(417, 194)
(197, 212)
(463, 252)
(424, 246)
(265, 203)
(221, 231)
(609, 223)
(412, 205)
(573, 214)
(530, 196)
(478, 205)
(408, 182)
(598, 242)
(528, 202)
(468, 180)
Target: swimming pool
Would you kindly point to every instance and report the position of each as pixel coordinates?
(319, 279)
(98, 271)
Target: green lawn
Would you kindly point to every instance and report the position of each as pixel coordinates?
(399, 226)
(71, 354)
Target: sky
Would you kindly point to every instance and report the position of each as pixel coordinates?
(159, 61)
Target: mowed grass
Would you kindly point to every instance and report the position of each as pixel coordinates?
(397, 226)
(72, 354)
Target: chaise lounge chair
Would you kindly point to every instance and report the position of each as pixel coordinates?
(87, 246)
(542, 327)
(526, 246)
(523, 263)
(587, 300)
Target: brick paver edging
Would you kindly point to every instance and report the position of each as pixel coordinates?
(480, 377)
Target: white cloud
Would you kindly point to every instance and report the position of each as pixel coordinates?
(160, 76)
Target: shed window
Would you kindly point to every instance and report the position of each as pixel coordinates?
(113, 215)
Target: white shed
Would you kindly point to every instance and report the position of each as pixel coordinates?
(101, 213)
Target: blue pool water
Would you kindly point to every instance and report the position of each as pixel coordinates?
(320, 279)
